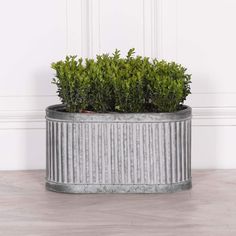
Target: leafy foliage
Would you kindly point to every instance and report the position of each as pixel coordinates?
(115, 84)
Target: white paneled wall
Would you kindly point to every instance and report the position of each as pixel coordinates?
(199, 34)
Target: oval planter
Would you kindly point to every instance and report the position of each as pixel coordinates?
(118, 152)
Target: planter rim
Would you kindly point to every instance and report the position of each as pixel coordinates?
(54, 112)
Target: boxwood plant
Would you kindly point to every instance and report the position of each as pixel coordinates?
(111, 83)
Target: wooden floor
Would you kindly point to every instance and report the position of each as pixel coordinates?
(209, 209)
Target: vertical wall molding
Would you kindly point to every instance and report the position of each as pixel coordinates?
(153, 42)
(95, 26)
(165, 24)
(78, 27)
(83, 27)
(176, 30)
(147, 28)
(156, 12)
(158, 31)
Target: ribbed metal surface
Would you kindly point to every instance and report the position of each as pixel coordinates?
(118, 152)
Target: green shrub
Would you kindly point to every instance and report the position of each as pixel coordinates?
(114, 84)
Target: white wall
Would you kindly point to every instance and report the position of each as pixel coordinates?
(197, 33)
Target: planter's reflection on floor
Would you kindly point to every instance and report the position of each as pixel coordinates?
(26, 208)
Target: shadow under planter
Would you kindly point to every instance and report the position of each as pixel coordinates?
(118, 152)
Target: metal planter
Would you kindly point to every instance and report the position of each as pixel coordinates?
(118, 153)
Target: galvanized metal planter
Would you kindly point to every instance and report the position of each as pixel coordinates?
(121, 153)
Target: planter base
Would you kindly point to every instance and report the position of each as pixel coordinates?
(118, 188)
